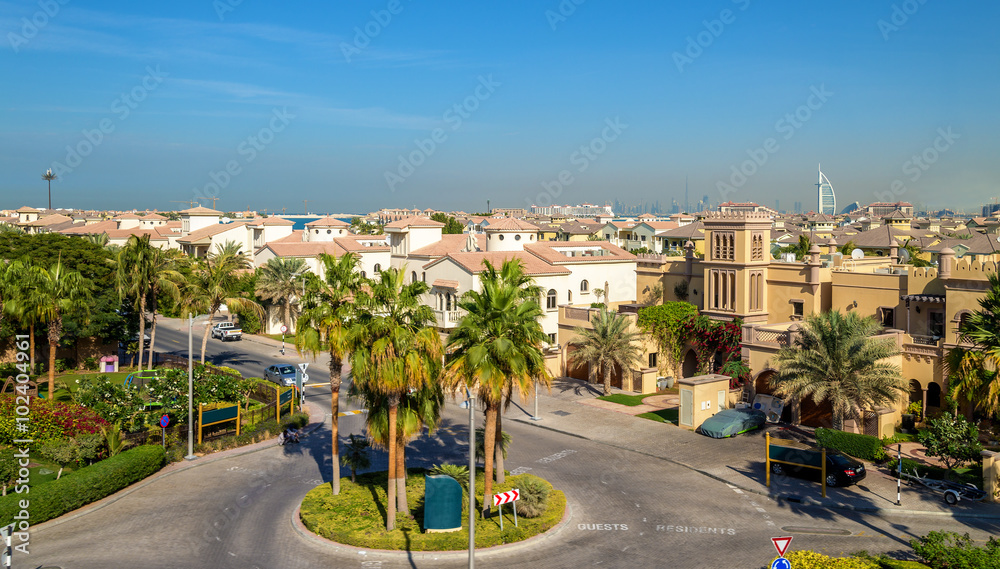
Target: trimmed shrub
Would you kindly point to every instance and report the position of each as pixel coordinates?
(859, 446)
(804, 559)
(81, 487)
(534, 499)
(946, 549)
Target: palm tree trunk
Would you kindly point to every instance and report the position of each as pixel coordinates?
(204, 337)
(152, 338)
(390, 519)
(607, 379)
(142, 327)
(55, 330)
(498, 449)
(401, 503)
(336, 369)
(838, 419)
(489, 440)
(31, 332)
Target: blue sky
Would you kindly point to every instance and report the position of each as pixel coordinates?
(450, 104)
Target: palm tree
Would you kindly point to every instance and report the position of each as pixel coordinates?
(57, 292)
(326, 316)
(393, 351)
(418, 408)
(609, 344)
(49, 176)
(835, 358)
(276, 282)
(132, 276)
(974, 373)
(355, 455)
(99, 239)
(213, 283)
(163, 277)
(497, 347)
(18, 284)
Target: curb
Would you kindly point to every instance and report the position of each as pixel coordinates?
(451, 555)
(807, 501)
(184, 466)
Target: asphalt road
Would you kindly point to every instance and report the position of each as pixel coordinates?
(627, 509)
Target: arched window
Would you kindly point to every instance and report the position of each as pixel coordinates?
(569, 296)
(550, 299)
(363, 275)
(378, 268)
(413, 277)
(584, 286)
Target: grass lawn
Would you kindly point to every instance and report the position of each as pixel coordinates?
(357, 516)
(628, 400)
(661, 416)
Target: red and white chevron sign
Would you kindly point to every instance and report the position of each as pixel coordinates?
(506, 497)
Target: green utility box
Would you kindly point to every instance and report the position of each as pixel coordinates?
(442, 504)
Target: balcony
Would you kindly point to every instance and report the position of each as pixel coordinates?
(448, 319)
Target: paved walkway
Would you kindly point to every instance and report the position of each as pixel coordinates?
(570, 408)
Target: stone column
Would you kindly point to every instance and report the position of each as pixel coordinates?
(946, 260)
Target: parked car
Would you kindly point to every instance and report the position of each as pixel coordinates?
(227, 331)
(841, 470)
(730, 422)
(283, 375)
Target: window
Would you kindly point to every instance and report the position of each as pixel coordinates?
(584, 286)
(423, 276)
(797, 307)
(723, 245)
(329, 231)
(550, 299)
(501, 236)
(317, 232)
(413, 277)
(363, 275)
(652, 360)
(552, 339)
(887, 316)
(378, 268)
(569, 296)
(517, 237)
(757, 246)
(935, 323)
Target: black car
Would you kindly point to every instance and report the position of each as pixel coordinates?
(841, 470)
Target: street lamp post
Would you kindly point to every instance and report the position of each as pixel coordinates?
(190, 454)
(535, 417)
(468, 403)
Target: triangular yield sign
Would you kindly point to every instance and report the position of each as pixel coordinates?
(781, 544)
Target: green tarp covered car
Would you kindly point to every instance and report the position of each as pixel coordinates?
(732, 422)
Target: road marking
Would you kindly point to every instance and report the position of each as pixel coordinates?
(603, 527)
(555, 457)
(696, 529)
(519, 470)
(348, 413)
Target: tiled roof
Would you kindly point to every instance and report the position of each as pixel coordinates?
(413, 221)
(450, 243)
(272, 221)
(153, 217)
(92, 229)
(26, 209)
(474, 262)
(550, 251)
(209, 231)
(304, 248)
(201, 210)
(510, 224)
(693, 231)
(49, 220)
(328, 222)
(444, 283)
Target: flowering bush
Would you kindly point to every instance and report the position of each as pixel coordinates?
(116, 403)
(711, 337)
(48, 420)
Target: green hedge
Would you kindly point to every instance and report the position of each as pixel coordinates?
(859, 446)
(81, 487)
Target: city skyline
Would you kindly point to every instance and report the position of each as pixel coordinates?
(393, 104)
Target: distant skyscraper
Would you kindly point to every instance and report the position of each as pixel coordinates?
(826, 200)
(798, 207)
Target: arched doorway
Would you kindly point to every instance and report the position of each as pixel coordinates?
(916, 392)
(690, 366)
(934, 395)
(762, 385)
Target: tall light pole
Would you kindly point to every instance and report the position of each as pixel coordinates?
(468, 403)
(190, 454)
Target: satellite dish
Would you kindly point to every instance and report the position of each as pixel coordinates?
(904, 257)
(857, 254)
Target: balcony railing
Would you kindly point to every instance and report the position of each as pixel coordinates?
(448, 318)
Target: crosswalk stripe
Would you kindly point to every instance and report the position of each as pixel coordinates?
(347, 413)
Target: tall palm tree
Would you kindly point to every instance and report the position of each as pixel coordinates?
(609, 344)
(835, 358)
(278, 281)
(394, 350)
(213, 283)
(497, 347)
(99, 239)
(57, 292)
(132, 279)
(49, 176)
(417, 409)
(18, 283)
(326, 316)
(974, 373)
(163, 278)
